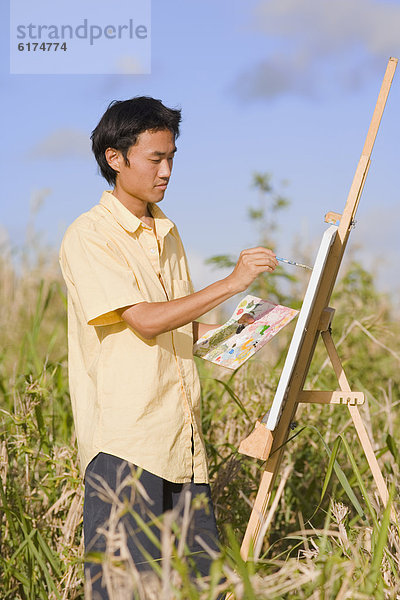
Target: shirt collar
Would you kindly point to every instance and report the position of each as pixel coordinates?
(129, 221)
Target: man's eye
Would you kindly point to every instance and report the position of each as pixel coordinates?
(155, 160)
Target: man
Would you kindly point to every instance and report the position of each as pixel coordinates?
(132, 317)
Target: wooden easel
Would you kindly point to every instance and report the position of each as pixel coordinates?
(268, 445)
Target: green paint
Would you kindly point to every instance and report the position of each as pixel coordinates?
(263, 329)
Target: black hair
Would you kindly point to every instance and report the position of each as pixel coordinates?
(122, 123)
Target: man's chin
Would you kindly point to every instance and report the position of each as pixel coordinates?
(159, 196)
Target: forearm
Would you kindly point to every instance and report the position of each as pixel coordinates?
(150, 319)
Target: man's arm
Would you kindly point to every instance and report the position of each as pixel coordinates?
(150, 319)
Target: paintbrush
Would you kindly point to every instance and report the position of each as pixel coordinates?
(292, 262)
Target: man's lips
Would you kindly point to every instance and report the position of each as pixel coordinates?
(162, 186)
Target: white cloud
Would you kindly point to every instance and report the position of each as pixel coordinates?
(277, 75)
(62, 143)
(309, 35)
(329, 26)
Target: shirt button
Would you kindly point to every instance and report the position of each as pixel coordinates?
(153, 250)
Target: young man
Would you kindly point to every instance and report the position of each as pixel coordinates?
(131, 326)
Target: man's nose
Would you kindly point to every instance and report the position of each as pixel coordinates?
(165, 169)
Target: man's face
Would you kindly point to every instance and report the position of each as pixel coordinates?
(150, 165)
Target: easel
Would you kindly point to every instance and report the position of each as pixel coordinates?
(268, 445)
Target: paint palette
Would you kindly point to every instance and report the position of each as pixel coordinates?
(233, 343)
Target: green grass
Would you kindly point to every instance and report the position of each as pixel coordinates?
(330, 537)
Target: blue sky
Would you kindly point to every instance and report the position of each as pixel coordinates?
(280, 86)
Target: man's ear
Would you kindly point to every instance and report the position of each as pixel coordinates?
(114, 157)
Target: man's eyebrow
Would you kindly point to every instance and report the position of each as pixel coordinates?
(158, 153)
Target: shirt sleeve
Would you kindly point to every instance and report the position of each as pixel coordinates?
(98, 276)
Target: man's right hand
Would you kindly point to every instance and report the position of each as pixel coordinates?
(252, 262)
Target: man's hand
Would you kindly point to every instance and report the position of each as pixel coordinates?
(252, 262)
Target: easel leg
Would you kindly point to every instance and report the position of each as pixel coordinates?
(357, 420)
(258, 514)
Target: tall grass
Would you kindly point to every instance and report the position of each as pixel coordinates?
(322, 543)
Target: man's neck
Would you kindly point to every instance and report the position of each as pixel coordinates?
(137, 207)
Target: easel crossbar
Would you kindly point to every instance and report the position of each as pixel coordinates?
(322, 397)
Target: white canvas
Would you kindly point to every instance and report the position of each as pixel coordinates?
(272, 418)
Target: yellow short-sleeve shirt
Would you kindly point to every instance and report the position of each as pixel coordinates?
(134, 398)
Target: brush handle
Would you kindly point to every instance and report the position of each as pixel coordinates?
(292, 262)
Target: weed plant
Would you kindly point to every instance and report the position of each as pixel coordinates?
(329, 538)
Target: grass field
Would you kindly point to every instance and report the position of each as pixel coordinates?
(323, 542)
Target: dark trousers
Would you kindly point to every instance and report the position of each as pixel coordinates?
(114, 509)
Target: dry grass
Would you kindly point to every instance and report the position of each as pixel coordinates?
(335, 555)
